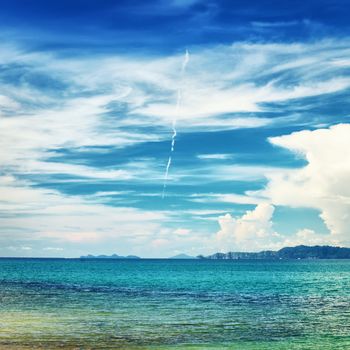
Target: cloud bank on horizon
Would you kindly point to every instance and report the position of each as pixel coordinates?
(87, 96)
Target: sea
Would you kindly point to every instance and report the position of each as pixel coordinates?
(174, 304)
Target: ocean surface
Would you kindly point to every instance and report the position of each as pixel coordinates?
(174, 304)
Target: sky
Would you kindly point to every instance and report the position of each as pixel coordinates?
(92, 91)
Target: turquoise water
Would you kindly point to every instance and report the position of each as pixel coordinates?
(169, 304)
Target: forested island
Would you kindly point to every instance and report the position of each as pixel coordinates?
(298, 252)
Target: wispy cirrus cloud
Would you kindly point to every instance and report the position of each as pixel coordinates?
(31, 214)
(217, 156)
(232, 198)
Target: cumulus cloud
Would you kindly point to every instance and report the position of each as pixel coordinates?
(251, 231)
(309, 237)
(321, 184)
(254, 231)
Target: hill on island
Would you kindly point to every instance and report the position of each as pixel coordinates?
(298, 252)
(182, 256)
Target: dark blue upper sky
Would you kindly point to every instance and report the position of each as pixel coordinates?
(166, 26)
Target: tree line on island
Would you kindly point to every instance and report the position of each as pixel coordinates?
(287, 253)
(298, 252)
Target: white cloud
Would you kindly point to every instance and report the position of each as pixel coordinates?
(250, 232)
(323, 182)
(182, 231)
(275, 24)
(28, 140)
(219, 156)
(254, 231)
(242, 172)
(203, 212)
(7, 103)
(309, 237)
(57, 249)
(226, 198)
(246, 79)
(23, 248)
(47, 216)
(341, 62)
(201, 103)
(42, 168)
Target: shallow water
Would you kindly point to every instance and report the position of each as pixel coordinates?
(170, 304)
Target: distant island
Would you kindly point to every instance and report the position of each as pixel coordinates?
(116, 256)
(113, 256)
(298, 252)
(287, 253)
(183, 256)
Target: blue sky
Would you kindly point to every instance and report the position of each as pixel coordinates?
(89, 92)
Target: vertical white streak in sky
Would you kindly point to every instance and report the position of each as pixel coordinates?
(177, 111)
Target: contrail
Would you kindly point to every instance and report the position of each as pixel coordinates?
(177, 110)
